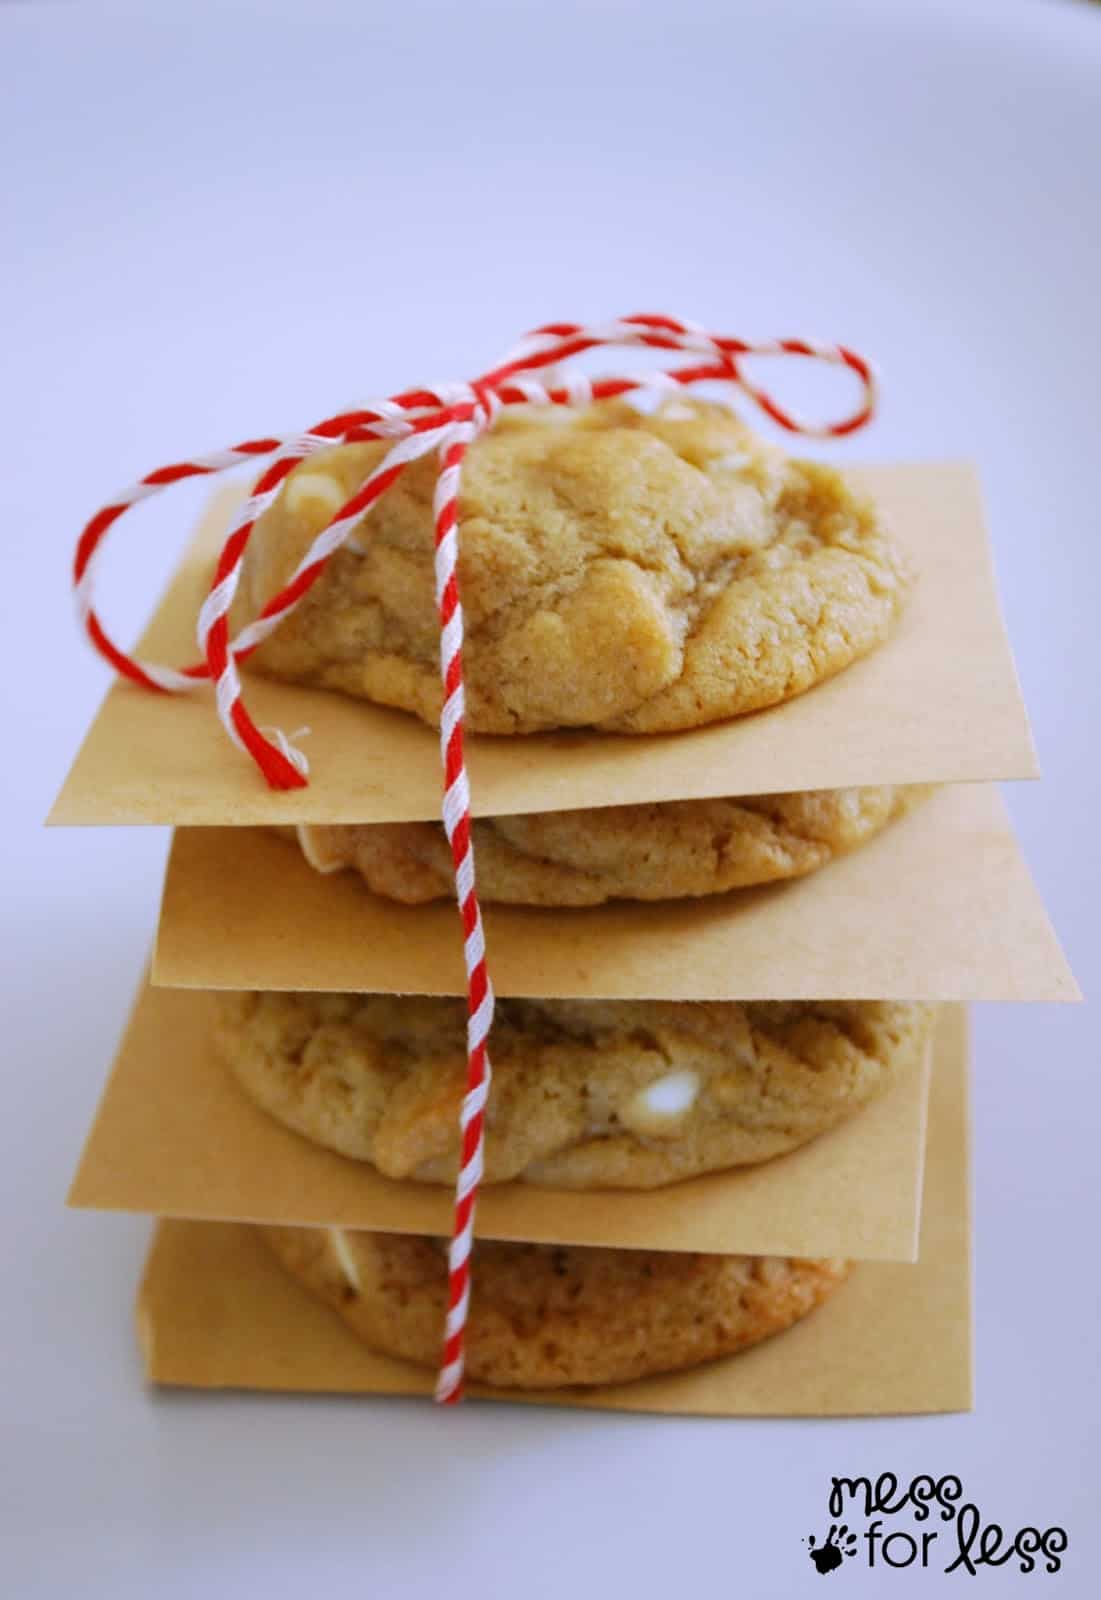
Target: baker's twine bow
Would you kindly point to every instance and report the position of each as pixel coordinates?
(445, 418)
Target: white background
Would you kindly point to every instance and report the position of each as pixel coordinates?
(234, 223)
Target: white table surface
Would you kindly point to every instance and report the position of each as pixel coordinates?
(228, 223)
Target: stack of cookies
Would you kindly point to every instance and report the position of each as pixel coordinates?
(710, 977)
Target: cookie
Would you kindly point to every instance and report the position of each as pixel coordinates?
(639, 573)
(586, 1094)
(548, 1316)
(640, 852)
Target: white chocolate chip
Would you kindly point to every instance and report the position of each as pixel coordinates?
(308, 841)
(341, 1250)
(657, 1110)
(310, 489)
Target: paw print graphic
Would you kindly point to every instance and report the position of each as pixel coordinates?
(839, 1543)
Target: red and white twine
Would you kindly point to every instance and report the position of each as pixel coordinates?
(445, 419)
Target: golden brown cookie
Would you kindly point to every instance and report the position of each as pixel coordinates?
(586, 1094)
(640, 852)
(545, 1316)
(628, 572)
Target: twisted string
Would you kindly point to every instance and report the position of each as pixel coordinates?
(445, 419)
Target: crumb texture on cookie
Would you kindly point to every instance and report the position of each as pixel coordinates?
(638, 573)
(586, 1094)
(658, 851)
(547, 1316)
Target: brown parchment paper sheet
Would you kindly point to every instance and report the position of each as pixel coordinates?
(174, 1136)
(939, 906)
(216, 1311)
(938, 702)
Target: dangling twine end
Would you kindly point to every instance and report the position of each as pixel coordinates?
(284, 766)
(449, 1384)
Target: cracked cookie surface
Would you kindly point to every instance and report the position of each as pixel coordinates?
(640, 852)
(637, 573)
(586, 1094)
(547, 1316)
